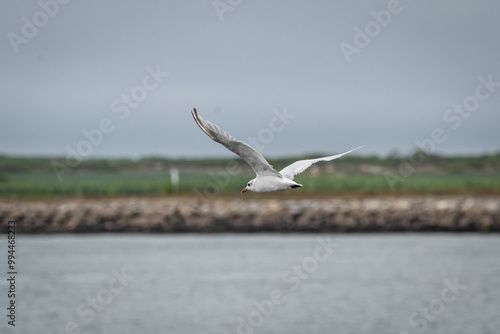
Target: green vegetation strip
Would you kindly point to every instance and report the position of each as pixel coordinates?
(26, 185)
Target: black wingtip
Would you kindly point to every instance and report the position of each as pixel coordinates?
(194, 113)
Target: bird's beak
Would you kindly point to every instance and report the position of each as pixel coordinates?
(244, 190)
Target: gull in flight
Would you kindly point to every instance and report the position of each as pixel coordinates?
(268, 179)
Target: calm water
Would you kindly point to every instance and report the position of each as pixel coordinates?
(415, 283)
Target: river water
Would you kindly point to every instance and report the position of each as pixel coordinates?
(257, 283)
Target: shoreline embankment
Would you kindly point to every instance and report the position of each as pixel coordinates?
(322, 215)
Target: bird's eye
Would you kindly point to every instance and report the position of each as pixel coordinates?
(249, 183)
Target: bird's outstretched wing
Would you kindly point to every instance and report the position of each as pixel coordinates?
(299, 166)
(258, 163)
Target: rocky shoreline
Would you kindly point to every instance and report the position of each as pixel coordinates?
(177, 215)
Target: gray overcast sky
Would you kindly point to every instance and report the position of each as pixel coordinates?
(240, 61)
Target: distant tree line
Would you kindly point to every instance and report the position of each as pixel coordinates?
(351, 164)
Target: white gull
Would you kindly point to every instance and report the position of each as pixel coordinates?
(268, 179)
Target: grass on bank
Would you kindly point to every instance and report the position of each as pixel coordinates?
(208, 185)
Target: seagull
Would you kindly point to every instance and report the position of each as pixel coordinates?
(268, 179)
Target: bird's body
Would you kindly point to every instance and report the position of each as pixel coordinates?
(268, 179)
(270, 183)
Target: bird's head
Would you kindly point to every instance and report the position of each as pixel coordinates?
(248, 187)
